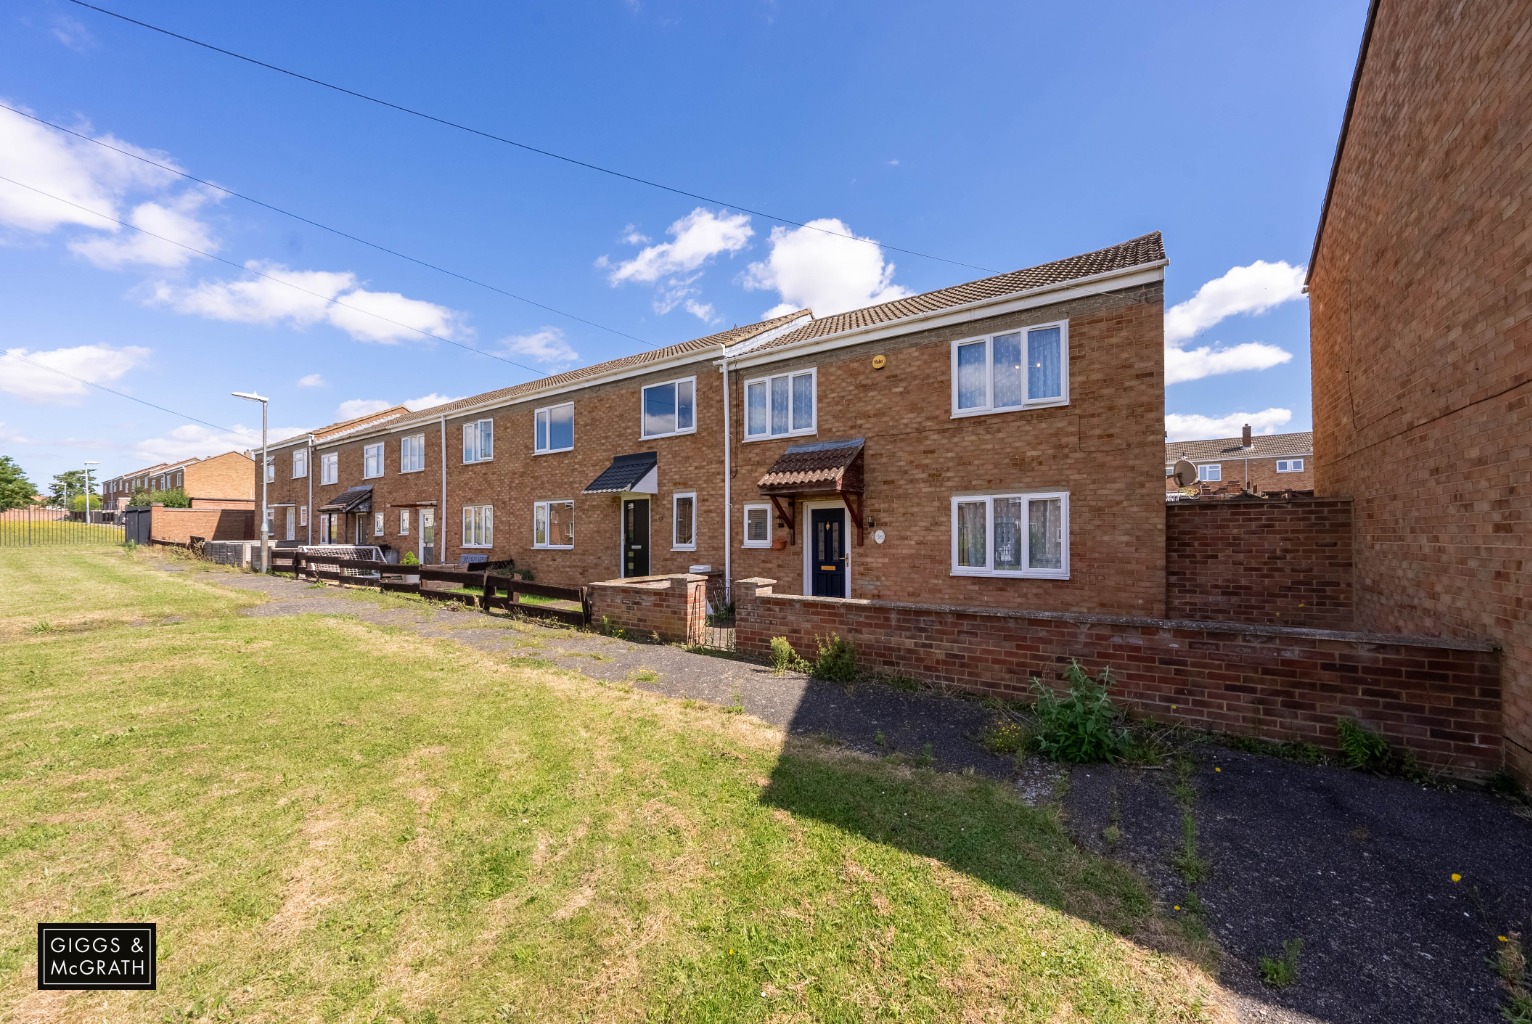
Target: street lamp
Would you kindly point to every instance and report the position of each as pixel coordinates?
(88, 463)
(251, 396)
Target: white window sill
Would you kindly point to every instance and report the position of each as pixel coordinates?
(683, 547)
(553, 451)
(480, 547)
(1050, 574)
(808, 432)
(1051, 403)
(475, 462)
(673, 433)
(553, 547)
(408, 472)
(755, 544)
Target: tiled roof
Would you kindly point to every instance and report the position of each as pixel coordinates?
(340, 429)
(353, 499)
(822, 464)
(624, 473)
(1262, 446)
(1136, 252)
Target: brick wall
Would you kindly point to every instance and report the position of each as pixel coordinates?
(670, 607)
(1264, 562)
(180, 525)
(1439, 698)
(1421, 325)
(229, 475)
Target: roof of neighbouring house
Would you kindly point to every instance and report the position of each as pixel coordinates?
(1136, 252)
(821, 464)
(1262, 446)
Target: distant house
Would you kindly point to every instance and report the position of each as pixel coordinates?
(1250, 464)
(217, 481)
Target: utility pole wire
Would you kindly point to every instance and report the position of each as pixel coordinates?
(512, 142)
(328, 299)
(323, 227)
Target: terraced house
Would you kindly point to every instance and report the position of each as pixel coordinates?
(992, 443)
(217, 481)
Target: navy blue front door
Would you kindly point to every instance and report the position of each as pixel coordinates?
(827, 553)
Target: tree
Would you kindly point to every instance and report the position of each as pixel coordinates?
(66, 485)
(16, 491)
(77, 503)
(175, 497)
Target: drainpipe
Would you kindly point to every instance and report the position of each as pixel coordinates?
(728, 506)
(441, 520)
(312, 469)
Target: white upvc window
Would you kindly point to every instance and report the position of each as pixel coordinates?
(553, 428)
(372, 461)
(1289, 465)
(670, 408)
(683, 532)
(553, 524)
(1011, 370)
(479, 441)
(478, 526)
(757, 526)
(329, 467)
(271, 473)
(781, 406)
(300, 463)
(303, 515)
(412, 453)
(404, 522)
(1011, 535)
(1210, 472)
(377, 524)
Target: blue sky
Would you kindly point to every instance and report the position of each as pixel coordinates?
(998, 135)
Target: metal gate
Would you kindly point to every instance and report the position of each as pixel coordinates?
(713, 624)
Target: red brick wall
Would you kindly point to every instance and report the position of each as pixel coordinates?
(1421, 324)
(223, 476)
(1268, 562)
(669, 607)
(180, 525)
(1440, 699)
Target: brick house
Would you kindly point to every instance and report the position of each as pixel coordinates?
(217, 481)
(949, 445)
(1421, 324)
(1253, 464)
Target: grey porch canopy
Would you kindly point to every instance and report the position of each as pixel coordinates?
(356, 499)
(628, 473)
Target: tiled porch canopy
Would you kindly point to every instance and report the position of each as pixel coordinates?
(820, 467)
(628, 474)
(356, 499)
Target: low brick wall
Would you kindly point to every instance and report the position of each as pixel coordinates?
(1439, 698)
(1273, 562)
(672, 608)
(180, 525)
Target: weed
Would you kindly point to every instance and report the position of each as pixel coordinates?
(1113, 831)
(880, 739)
(1504, 783)
(1188, 863)
(645, 675)
(736, 706)
(836, 659)
(1519, 1009)
(611, 629)
(899, 681)
(1280, 972)
(42, 626)
(1083, 727)
(1291, 750)
(526, 574)
(927, 757)
(1511, 960)
(784, 659)
(1362, 748)
(1005, 736)
(130, 546)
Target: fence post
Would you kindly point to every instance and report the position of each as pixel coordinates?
(487, 595)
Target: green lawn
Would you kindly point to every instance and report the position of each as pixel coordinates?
(59, 532)
(334, 822)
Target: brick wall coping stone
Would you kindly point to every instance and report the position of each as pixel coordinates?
(1442, 643)
(652, 582)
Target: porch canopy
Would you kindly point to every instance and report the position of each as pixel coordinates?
(628, 474)
(820, 467)
(355, 499)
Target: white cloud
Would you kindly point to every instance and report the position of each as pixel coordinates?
(430, 401)
(1242, 291)
(699, 236)
(632, 236)
(100, 364)
(191, 440)
(173, 221)
(546, 346)
(823, 272)
(1184, 427)
(313, 380)
(73, 34)
(1183, 364)
(309, 297)
(351, 408)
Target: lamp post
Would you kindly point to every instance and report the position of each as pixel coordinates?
(251, 396)
(88, 463)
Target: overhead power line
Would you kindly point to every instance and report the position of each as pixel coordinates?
(119, 394)
(323, 227)
(328, 299)
(550, 154)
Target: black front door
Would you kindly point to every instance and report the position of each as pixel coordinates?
(635, 537)
(827, 570)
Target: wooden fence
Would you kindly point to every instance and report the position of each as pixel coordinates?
(505, 593)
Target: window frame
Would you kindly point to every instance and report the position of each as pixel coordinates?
(329, 461)
(547, 505)
(1026, 572)
(483, 528)
(479, 434)
(548, 409)
(421, 440)
(377, 524)
(303, 515)
(744, 535)
(271, 473)
(988, 408)
(643, 418)
(404, 522)
(675, 521)
(1290, 464)
(813, 428)
(300, 455)
(1216, 478)
(378, 450)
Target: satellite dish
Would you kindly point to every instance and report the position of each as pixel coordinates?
(1185, 473)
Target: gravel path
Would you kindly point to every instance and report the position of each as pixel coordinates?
(1358, 867)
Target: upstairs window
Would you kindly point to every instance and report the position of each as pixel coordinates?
(1009, 371)
(670, 408)
(479, 441)
(329, 467)
(412, 453)
(372, 461)
(271, 473)
(780, 406)
(553, 428)
(1289, 465)
(1011, 535)
(300, 463)
(1211, 473)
